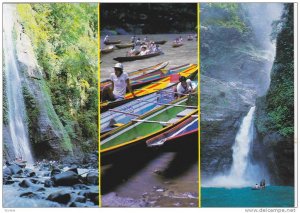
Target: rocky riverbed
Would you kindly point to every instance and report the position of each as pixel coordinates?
(50, 184)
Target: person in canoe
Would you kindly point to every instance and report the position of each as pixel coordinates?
(120, 82)
(132, 40)
(138, 42)
(144, 50)
(133, 51)
(183, 87)
(262, 184)
(106, 39)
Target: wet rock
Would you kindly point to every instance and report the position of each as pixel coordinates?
(35, 181)
(96, 200)
(80, 199)
(73, 169)
(40, 189)
(92, 178)
(6, 172)
(15, 169)
(81, 187)
(8, 182)
(59, 197)
(29, 173)
(21, 164)
(90, 195)
(25, 184)
(77, 204)
(67, 178)
(30, 195)
(48, 183)
(55, 171)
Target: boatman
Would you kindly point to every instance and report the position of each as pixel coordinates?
(106, 39)
(183, 87)
(120, 82)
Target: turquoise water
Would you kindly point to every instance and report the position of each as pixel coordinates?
(272, 196)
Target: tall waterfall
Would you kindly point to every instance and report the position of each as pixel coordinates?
(243, 172)
(16, 106)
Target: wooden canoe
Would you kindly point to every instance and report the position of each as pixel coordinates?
(112, 42)
(123, 114)
(160, 42)
(137, 73)
(179, 132)
(121, 46)
(142, 80)
(137, 57)
(177, 44)
(107, 49)
(151, 88)
(153, 123)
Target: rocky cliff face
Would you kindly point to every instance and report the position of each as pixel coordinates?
(229, 48)
(275, 111)
(223, 105)
(48, 137)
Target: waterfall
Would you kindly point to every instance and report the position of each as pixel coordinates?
(243, 172)
(16, 107)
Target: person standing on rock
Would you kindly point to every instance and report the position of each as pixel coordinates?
(119, 81)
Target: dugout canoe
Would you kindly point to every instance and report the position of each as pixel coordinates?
(138, 73)
(107, 49)
(137, 57)
(122, 46)
(112, 42)
(155, 75)
(177, 44)
(151, 88)
(160, 42)
(123, 114)
(178, 133)
(153, 123)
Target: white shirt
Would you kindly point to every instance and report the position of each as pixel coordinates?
(144, 52)
(119, 84)
(182, 90)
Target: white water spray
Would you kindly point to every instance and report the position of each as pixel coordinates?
(16, 106)
(242, 172)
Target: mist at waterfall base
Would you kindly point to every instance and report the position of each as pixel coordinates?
(16, 107)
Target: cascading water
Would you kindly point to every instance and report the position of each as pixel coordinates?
(16, 106)
(243, 172)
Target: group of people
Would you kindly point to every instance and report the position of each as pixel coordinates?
(178, 40)
(142, 47)
(261, 185)
(120, 83)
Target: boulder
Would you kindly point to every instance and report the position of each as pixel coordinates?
(59, 197)
(68, 178)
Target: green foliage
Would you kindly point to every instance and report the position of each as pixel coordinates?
(280, 98)
(228, 16)
(64, 37)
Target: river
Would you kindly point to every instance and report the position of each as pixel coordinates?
(176, 56)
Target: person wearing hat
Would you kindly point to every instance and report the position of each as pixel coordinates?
(120, 82)
(183, 87)
(144, 50)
